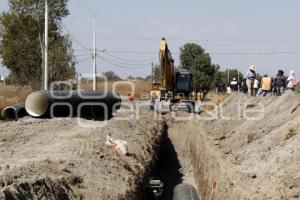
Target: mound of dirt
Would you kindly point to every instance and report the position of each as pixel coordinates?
(68, 159)
(249, 151)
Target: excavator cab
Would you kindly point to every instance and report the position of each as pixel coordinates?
(173, 90)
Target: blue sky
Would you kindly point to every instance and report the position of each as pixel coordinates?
(234, 32)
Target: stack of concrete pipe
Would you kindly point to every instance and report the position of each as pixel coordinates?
(70, 103)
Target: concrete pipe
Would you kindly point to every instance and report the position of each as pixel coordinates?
(14, 112)
(185, 192)
(80, 103)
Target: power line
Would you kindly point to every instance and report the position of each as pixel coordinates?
(125, 63)
(191, 39)
(212, 53)
(77, 41)
(82, 50)
(79, 55)
(196, 40)
(85, 7)
(132, 52)
(256, 53)
(234, 40)
(83, 59)
(92, 12)
(119, 65)
(128, 60)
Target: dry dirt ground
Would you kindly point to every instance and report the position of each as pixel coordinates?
(247, 159)
(59, 159)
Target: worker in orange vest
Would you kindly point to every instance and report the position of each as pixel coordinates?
(266, 85)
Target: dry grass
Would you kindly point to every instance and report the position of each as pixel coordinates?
(297, 89)
(10, 95)
(140, 89)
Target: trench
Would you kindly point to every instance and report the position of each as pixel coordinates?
(166, 167)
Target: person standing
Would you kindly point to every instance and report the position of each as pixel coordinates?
(234, 85)
(250, 76)
(266, 85)
(279, 83)
(244, 86)
(255, 86)
(199, 96)
(130, 98)
(292, 81)
(229, 91)
(217, 88)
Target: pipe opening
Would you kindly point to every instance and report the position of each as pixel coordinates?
(9, 113)
(14, 112)
(165, 169)
(36, 104)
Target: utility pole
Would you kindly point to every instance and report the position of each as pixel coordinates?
(152, 74)
(238, 79)
(46, 47)
(94, 56)
(228, 76)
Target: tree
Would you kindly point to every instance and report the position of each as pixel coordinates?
(130, 77)
(222, 76)
(157, 74)
(194, 59)
(188, 54)
(148, 78)
(21, 44)
(139, 78)
(111, 76)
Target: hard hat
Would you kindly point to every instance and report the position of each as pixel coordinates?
(234, 79)
(252, 67)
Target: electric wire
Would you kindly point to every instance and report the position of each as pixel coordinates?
(80, 55)
(125, 63)
(74, 38)
(119, 65)
(128, 60)
(113, 23)
(212, 53)
(83, 59)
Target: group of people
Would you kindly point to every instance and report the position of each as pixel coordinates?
(266, 85)
(255, 85)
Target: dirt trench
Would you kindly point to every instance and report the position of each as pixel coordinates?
(234, 158)
(168, 167)
(228, 157)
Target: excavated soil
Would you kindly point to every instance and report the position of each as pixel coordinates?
(226, 155)
(238, 158)
(58, 159)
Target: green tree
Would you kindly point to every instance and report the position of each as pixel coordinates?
(222, 76)
(157, 74)
(194, 59)
(188, 54)
(148, 78)
(111, 76)
(139, 78)
(21, 42)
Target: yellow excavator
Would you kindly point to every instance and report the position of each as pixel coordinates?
(165, 84)
(174, 89)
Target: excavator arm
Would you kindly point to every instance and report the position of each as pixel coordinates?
(167, 67)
